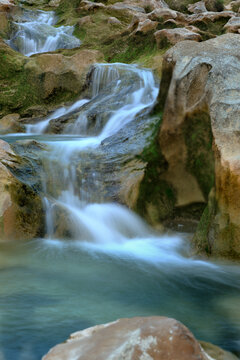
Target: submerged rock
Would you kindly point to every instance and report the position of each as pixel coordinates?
(151, 338)
(200, 97)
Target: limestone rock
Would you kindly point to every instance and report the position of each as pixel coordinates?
(198, 7)
(201, 87)
(233, 25)
(21, 213)
(173, 36)
(156, 338)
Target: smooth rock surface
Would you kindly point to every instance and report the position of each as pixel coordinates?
(152, 338)
(174, 36)
(201, 81)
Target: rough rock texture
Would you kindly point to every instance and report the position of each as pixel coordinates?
(21, 214)
(214, 5)
(152, 338)
(173, 36)
(198, 7)
(43, 79)
(200, 89)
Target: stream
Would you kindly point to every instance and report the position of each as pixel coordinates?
(98, 260)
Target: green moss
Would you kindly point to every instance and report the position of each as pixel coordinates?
(200, 161)
(156, 197)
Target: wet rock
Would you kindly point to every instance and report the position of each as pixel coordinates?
(174, 36)
(155, 338)
(216, 353)
(233, 25)
(198, 7)
(202, 107)
(21, 213)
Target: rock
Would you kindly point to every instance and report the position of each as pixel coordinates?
(173, 36)
(4, 24)
(198, 7)
(9, 124)
(54, 3)
(114, 21)
(90, 6)
(156, 338)
(43, 78)
(21, 213)
(6, 5)
(214, 5)
(200, 95)
(166, 14)
(86, 20)
(233, 25)
(146, 26)
(233, 6)
(216, 353)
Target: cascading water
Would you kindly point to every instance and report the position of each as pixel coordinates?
(34, 32)
(100, 261)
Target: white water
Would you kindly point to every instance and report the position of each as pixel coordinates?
(35, 33)
(104, 227)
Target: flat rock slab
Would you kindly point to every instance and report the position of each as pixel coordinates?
(150, 338)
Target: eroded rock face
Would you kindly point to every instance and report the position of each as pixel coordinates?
(201, 87)
(152, 338)
(21, 213)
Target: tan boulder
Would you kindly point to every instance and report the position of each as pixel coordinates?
(6, 5)
(166, 14)
(155, 338)
(173, 36)
(21, 214)
(200, 94)
(10, 123)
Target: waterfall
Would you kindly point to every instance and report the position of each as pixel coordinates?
(34, 32)
(118, 94)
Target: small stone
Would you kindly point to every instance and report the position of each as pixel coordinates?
(114, 21)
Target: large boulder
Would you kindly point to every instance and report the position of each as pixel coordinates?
(21, 213)
(200, 97)
(150, 338)
(44, 79)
